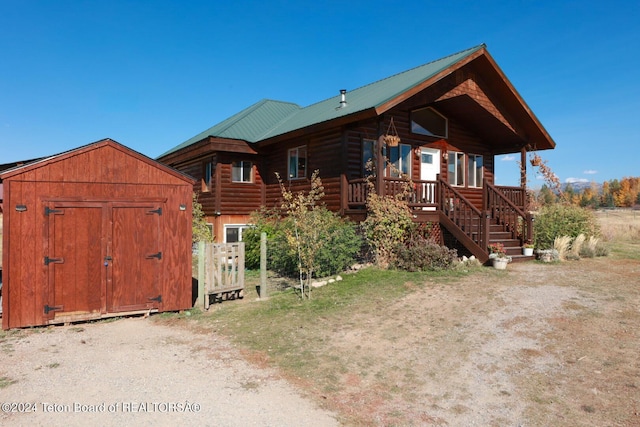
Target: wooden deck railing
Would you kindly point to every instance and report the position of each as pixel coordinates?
(422, 195)
(506, 205)
(517, 195)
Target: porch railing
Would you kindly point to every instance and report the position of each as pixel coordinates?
(423, 194)
(506, 206)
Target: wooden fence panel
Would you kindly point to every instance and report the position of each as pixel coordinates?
(224, 270)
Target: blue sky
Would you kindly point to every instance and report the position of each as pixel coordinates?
(152, 74)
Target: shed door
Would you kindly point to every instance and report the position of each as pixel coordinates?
(136, 258)
(74, 260)
(102, 257)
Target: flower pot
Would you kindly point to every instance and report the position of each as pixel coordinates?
(527, 251)
(500, 263)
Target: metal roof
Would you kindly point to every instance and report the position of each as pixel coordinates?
(269, 118)
(249, 124)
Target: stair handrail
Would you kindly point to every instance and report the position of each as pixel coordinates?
(491, 206)
(465, 223)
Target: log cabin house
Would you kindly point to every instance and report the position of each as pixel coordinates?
(452, 117)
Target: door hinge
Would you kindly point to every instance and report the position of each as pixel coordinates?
(48, 260)
(155, 211)
(48, 308)
(158, 256)
(49, 211)
(158, 298)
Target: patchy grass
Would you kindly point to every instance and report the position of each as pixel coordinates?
(537, 344)
(6, 382)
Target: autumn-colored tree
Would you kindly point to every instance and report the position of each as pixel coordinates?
(546, 196)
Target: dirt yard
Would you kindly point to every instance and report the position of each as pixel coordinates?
(135, 371)
(537, 345)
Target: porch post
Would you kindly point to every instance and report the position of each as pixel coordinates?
(523, 178)
(523, 168)
(380, 166)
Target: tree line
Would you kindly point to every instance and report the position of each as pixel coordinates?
(624, 193)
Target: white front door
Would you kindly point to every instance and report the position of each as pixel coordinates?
(429, 170)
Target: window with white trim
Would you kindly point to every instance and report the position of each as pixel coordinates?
(399, 158)
(241, 171)
(233, 232)
(455, 168)
(475, 170)
(298, 162)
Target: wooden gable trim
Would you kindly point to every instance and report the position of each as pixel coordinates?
(383, 108)
(515, 105)
(530, 114)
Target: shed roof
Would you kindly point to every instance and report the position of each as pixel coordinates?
(104, 142)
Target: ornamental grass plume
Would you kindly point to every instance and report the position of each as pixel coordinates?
(561, 244)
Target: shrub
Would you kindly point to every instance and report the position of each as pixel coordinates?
(387, 225)
(563, 220)
(200, 231)
(291, 232)
(420, 254)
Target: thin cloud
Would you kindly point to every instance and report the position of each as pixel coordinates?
(508, 158)
(575, 180)
(590, 172)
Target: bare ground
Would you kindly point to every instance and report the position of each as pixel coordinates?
(537, 345)
(137, 372)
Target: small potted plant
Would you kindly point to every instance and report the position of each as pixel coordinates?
(527, 249)
(498, 255)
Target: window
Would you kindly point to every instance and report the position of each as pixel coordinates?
(427, 121)
(207, 181)
(241, 171)
(298, 162)
(233, 232)
(455, 168)
(368, 157)
(399, 158)
(475, 170)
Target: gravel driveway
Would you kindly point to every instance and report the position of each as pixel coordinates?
(135, 372)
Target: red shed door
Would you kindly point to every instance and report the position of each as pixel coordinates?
(136, 258)
(74, 261)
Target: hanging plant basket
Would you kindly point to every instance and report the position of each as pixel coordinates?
(391, 138)
(535, 160)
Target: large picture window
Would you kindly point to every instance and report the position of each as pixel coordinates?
(399, 159)
(475, 170)
(241, 171)
(455, 168)
(298, 162)
(427, 121)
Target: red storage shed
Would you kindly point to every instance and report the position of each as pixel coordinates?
(94, 232)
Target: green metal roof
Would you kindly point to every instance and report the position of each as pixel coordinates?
(268, 118)
(249, 124)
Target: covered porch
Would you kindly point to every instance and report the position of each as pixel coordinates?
(499, 215)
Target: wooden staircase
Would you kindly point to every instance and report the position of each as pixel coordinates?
(500, 221)
(513, 247)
